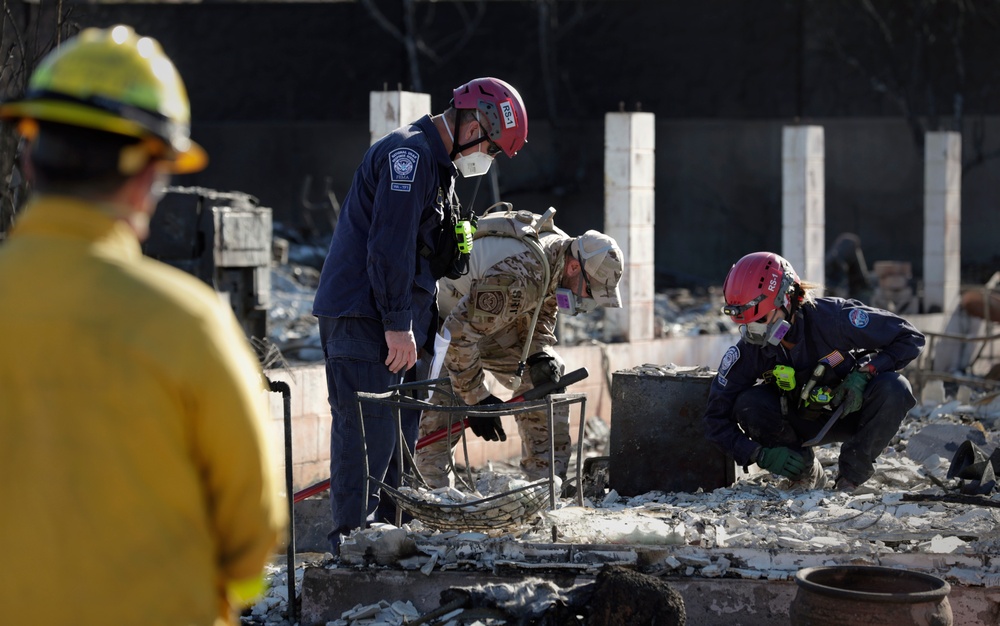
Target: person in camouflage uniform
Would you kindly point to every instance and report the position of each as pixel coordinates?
(488, 314)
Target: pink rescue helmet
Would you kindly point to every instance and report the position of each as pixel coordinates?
(502, 107)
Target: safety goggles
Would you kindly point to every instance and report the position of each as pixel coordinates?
(491, 149)
(736, 310)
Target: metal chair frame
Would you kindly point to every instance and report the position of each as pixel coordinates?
(396, 399)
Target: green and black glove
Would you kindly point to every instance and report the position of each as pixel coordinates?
(782, 461)
(488, 426)
(851, 391)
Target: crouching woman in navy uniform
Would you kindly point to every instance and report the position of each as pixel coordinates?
(800, 360)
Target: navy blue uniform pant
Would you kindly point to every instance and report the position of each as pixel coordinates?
(355, 352)
(864, 433)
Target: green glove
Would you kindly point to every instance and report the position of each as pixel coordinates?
(782, 461)
(851, 391)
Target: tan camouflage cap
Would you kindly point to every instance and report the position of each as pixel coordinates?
(602, 261)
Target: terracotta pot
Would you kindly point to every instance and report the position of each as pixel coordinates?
(982, 304)
(857, 595)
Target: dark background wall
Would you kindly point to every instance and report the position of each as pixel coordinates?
(280, 93)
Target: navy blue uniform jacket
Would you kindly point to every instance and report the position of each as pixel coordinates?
(392, 210)
(831, 329)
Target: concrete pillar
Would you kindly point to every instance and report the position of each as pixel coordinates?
(388, 110)
(942, 221)
(629, 143)
(803, 209)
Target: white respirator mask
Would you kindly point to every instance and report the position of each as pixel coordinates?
(471, 165)
(475, 164)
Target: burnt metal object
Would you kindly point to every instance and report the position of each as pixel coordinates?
(657, 440)
(618, 597)
(818, 439)
(223, 238)
(279, 386)
(976, 471)
(852, 595)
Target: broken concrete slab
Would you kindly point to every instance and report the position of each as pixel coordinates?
(943, 440)
(328, 593)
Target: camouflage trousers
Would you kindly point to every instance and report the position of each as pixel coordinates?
(435, 460)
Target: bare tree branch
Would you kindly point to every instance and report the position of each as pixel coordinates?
(411, 35)
(410, 42)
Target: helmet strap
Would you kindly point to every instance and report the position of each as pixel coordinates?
(456, 147)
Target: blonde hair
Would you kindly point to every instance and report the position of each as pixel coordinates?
(805, 293)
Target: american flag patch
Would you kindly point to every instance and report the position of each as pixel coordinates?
(833, 359)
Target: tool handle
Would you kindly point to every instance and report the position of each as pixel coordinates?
(311, 490)
(550, 387)
(532, 394)
(826, 427)
(815, 378)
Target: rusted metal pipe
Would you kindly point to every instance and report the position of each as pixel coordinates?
(282, 387)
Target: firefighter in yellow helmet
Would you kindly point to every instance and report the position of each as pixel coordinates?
(132, 409)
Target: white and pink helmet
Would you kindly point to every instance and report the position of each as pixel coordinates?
(503, 108)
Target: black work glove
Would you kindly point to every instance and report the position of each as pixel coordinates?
(543, 368)
(851, 391)
(782, 461)
(488, 427)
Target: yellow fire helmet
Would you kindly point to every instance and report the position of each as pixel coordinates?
(116, 81)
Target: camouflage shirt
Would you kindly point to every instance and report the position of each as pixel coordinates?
(496, 300)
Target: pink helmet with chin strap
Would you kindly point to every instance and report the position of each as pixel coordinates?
(757, 284)
(502, 107)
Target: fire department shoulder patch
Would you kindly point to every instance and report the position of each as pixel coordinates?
(858, 318)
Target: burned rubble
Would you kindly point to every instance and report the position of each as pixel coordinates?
(911, 514)
(755, 529)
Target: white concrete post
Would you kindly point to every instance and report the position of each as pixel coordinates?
(803, 208)
(629, 143)
(388, 110)
(942, 221)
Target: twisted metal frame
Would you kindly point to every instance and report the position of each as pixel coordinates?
(395, 399)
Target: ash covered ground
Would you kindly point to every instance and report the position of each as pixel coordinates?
(757, 528)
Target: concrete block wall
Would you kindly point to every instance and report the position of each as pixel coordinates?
(629, 193)
(310, 414)
(942, 220)
(803, 180)
(388, 110)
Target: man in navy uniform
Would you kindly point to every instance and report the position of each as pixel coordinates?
(376, 297)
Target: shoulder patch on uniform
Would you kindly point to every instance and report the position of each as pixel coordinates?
(403, 163)
(492, 302)
(858, 318)
(728, 360)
